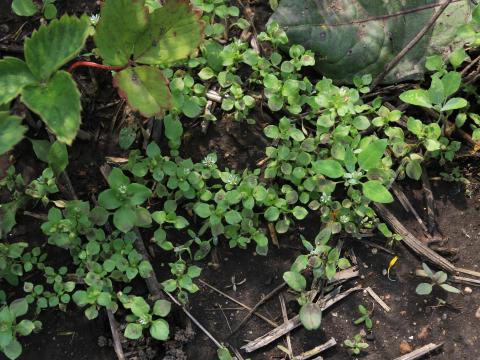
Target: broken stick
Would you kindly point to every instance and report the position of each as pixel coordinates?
(377, 298)
(293, 323)
(316, 350)
(417, 354)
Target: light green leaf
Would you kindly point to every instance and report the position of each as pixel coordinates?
(311, 316)
(124, 218)
(173, 127)
(299, 212)
(414, 169)
(41, 149)
(58, 157)
(58, 104)
(330, 168)
(24, 7)
(417, 97)
(375, 191)
(145, 88)
(233, 217)
(52, 45)
(295, 280)
(19, 307)
(174, 31)
(159, 330)
(370, 157)
(423, 289)
(121, 23)
(202, 210)
(162, 308)
(133, 331)
(451, 83)
(450, 288)
(454, 103)
(25, 327)
(13, 350)
(14, 76)
(11, 131)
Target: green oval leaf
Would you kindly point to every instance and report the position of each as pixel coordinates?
(159, 330)
(419, 97)
(295, 280)
(330, 168)
(370, 157)
(311, 316)
(375, 191)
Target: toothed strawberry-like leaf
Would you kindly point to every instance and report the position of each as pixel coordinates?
(121, 23)
(174, 31)
(52, 45)
(168, 34)
(14, 76)
(145, 89)
(57, 102)
(354, 37)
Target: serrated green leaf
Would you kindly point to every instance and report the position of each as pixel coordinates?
(121, 23)
(52, 45)
(58, 104)
(14, 76)
(375, 191)
(11, 131)
(145, 88)
(174, 31)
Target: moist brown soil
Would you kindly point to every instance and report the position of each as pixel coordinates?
(413, 319)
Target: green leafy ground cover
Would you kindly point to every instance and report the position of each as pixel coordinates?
(334, 152)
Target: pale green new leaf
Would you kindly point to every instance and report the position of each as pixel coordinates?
(174, 31)
(145, 89)
(121, 23)
(370, 157)
(455, 103)
(14, 76)
(58, 104)
(11, 131)
(52, 45)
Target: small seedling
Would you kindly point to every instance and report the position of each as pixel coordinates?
(364, 317)
(356, 345)
(439, 278)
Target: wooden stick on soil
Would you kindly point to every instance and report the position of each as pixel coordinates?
(410, 240)
(285, 320)
(316, 350)
(256, 313)
(417, 354)
(117, 345)
(407, 205)
(294, 322)
(430, 202)
(377, 298)
(255, 308)
(389, 67)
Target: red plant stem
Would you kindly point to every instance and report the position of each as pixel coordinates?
(95, 65)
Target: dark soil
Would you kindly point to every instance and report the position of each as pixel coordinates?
(413, 319)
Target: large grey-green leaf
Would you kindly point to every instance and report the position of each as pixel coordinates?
(361, 36)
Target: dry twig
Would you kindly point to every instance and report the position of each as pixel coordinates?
(417, 354)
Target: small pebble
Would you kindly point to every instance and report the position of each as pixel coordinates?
(468, 290)
(477, 314)
(405, 348)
